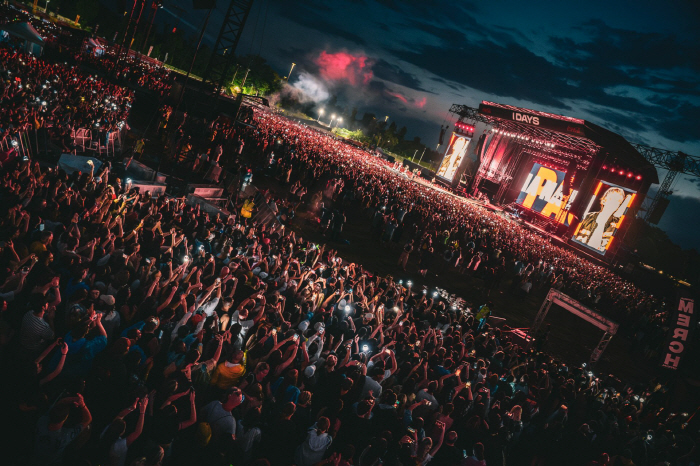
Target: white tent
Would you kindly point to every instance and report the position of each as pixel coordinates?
(95, 47)
(33, 42)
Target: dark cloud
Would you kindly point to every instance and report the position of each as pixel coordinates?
(610, 68)
(389, 72)
(449, 84)
(431, 9)
(504, 70)
(312, 14)
(634, 82)
(447, 35)
(682, 125)
(511, 32)
(674, 86)
(626, 48)
(622, 121)
(681, 222)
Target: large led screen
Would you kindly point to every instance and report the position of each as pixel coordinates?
(453, 157)
(605, 212)
(543, 192)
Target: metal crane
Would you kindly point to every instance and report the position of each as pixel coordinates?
(675, 162)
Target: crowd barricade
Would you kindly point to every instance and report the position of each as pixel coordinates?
(208, 205)
(82, 138)
(24, 141)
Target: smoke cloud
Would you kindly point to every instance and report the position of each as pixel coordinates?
(307, 89)
(310, 88)
(344, 66)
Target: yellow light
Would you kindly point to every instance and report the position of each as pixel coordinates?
(600, 183)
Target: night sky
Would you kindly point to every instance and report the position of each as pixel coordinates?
(633, 67)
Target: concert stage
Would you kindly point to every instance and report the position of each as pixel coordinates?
(565, 177)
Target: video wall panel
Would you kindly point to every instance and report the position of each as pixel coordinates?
(603, 217)
(543, 192)
(453, 156)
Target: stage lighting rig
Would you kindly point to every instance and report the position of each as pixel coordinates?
(464, 129)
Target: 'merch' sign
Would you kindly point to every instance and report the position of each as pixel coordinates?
(678, 339)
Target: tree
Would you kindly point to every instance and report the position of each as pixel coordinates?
(402, 133)
(357, 135)
(389, 139)
(367, 119)
(88, 10)
(261, 79)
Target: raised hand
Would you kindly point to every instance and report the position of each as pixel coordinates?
(143, 404)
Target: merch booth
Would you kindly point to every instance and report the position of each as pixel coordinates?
(33, 43)
(563, 175)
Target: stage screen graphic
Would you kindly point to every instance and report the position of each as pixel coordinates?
(453, 157)
(543, 192)
(603, 217)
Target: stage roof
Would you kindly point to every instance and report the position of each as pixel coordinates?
(570, 136)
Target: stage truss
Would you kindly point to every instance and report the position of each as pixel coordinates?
(565, 145)
(570, 304)
(582, 148)
(223, 54)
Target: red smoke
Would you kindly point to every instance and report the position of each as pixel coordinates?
(343, 66)
(398, 96)
(421, 103)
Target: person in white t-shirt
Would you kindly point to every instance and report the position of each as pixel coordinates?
(113, 435)
(241, 317)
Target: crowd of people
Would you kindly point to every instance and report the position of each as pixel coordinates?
(131, 70)
(459, 232)
(58, 98)
(140, 330)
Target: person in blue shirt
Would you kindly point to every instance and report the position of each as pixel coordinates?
(84, 343)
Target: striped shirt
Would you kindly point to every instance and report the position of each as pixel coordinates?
(35, 332)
